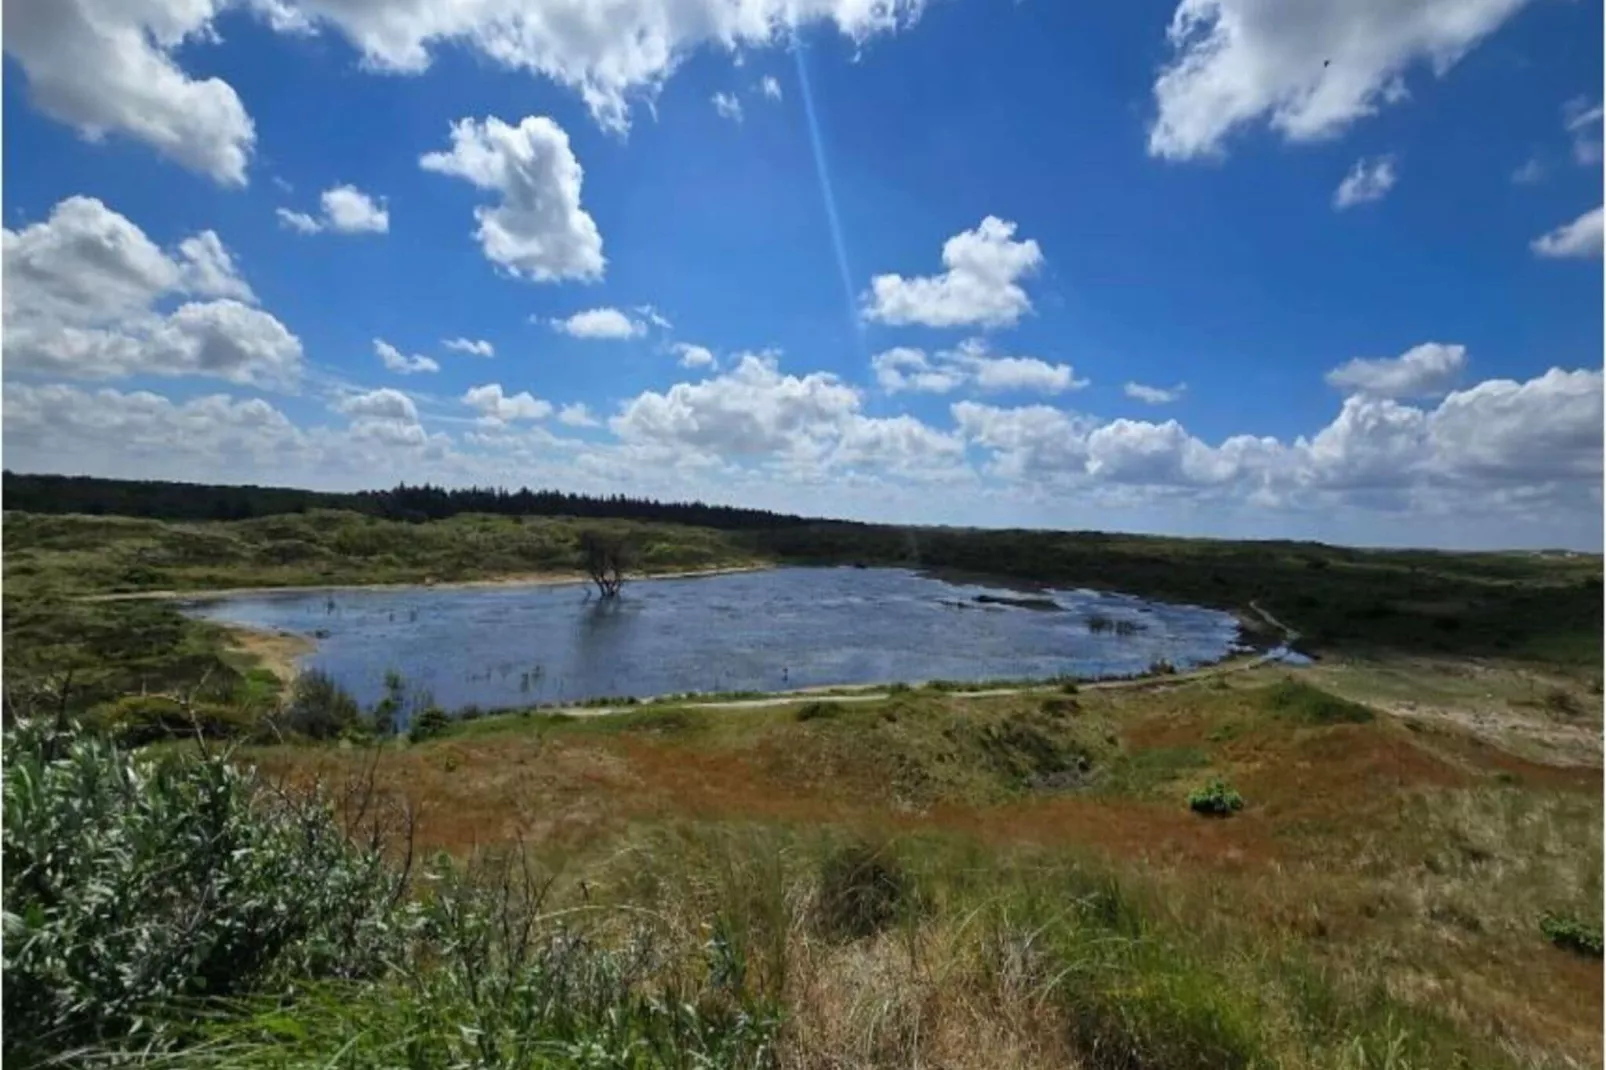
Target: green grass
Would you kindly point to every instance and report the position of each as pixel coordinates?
(1304, 703)
(71, 554)
(1152, 771)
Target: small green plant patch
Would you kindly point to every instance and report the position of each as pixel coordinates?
(1299, 701)
(818, 711)
(1215, 799)
(1570, 934)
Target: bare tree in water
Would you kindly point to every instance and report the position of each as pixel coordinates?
(605, 557)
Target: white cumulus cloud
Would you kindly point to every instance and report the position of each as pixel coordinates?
(112, 69)
(770, 86)
(537, 229)
(382, 404)
(609, 51)
(351, 211)
(345, 210)
(1307, 68)
(727, 106)
(1367, 181)
(385, 417)
(206, 267)
(577, 415)
(750, 410)
(1154, 395)
(693, 356)
(980, 286)
(397, 361)
(117, 67)
(1578, 240)
(298, 221)
(1427, 370)
(600, 324)
(497, 407)
(473, 347)
(80, 297)
(905, 368)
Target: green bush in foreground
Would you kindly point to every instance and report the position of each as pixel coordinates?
(175, 911)
(1215, 799)
(1570, 934)
(133, 883)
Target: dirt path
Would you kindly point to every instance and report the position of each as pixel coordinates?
(1289, 634)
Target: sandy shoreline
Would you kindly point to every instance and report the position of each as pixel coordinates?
(530, 579)
(276, 651)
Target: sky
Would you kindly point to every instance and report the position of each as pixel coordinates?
(1237, 268)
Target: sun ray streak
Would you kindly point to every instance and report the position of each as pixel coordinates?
(826, 192)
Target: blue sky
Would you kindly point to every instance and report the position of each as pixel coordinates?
(1033, 263)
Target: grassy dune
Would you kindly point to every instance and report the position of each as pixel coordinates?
(1049, 900)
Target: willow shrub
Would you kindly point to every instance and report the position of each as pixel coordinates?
(132, 883)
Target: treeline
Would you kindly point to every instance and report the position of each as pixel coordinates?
(163, 500)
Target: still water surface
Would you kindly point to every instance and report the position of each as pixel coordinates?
(760, 631)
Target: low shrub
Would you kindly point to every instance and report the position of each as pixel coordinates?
(818, 711)
(1559, 700)
(135, 720)
(1215, 799)
(1060, 707)
(1570, 934)
(382, 718)
(432, 722)
(863, 890)
(131, 883)
(318, 707)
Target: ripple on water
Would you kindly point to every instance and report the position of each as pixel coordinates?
(759, 631)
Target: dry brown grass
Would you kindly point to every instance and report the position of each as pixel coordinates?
(1413, 859)
(932, 1002)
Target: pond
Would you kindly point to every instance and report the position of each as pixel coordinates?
(770, 630)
